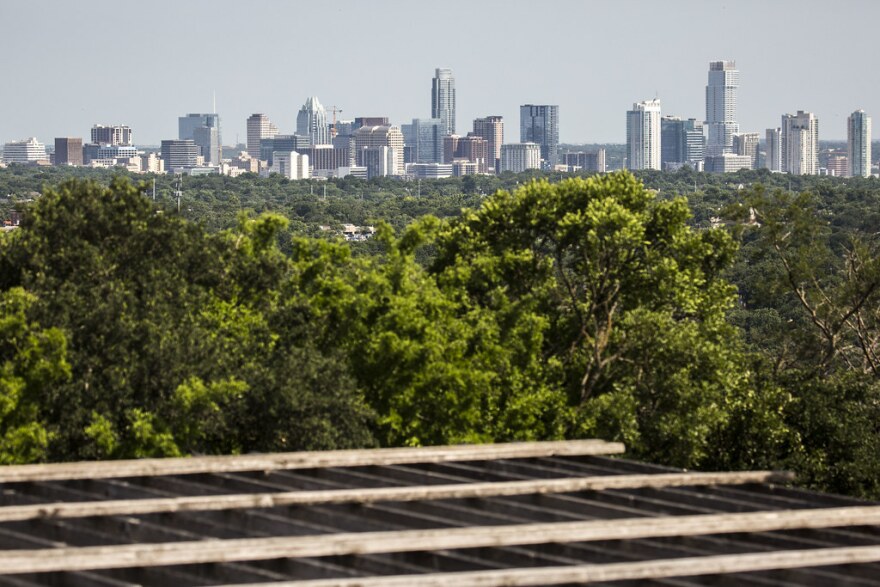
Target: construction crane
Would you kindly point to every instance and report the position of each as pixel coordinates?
(334, 110)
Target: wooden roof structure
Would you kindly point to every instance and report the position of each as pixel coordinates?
(549, 513)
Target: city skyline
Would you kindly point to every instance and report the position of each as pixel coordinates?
(148, 95)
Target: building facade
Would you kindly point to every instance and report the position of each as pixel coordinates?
(590, 162)
(799, 144)
(773, 149)
(443, 99)
(424, 140)
(381, 136)
(311, 121)
(179, 153)
(204, 130)
(290, 165)
(643, 135)
(491, 128)
(518, 157)
(282, 144)
(681, 142)
(747, 144)
(540, 124)
(27, 151)
(727, 163)
(858, 144)
(721, 116)
(259, 127)
(68, 151)
(119, 134)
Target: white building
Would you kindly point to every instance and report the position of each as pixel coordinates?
(26, 151)
(643, 135)
(721, 106)
(800, 143)
(258, 127)
(727, 163)
(312, 122)
(858, 144)
(290, 164)
(518, 157)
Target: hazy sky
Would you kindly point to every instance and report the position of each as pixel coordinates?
(67, 65)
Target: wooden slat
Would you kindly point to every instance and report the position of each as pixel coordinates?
(654, 569)
(304, 460)
(370, 495)
(251, 549)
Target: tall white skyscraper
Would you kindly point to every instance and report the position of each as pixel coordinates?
(258, 127)
(443, 99)
(800, 143)
(643, 135)
(858, 144)
(721, 107)
(773, 149)
(312, 122)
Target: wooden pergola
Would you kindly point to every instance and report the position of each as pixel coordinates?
(551, 513)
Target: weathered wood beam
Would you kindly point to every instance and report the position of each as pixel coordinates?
(371, 495)
(654, 569)
(304, 460)
(252, 549)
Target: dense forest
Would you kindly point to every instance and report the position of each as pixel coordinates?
(707, 321)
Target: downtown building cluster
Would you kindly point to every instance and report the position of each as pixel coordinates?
(322, 145)
(655, 141)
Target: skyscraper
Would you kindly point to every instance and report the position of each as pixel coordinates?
(746, 144)
(773, 149)
(858, 144)
(681, 142)
(643, 135)
(68, 151)
(491, 128)
(721, 106)
(424, 137)
(800, 143)
(204, 130)
(368, 137)
(443, 99)
(540, 124)
(111, 135)
(258, 127)
(312, 122)
(180, 153)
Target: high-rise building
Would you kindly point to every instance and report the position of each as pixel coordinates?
(290, 165)
(590, 162)
(360, 121)
(424, 140)
(443, 99)
(68, 151)
(381, 136)
(186, 125)
(258, 127)
(773, 149)
(204, 131)
(800, 143)
(27, 151)
(282, 144)
(746, 144)
(727, 163)
(491, 128)
(681, 142)
(837, 165)
(518, 157)
(472, 148)
(112, 135)
(311, 121)
(540, 124)
(179, 153)
(643, 135)
(858, 144)
(721, 106)
(380, 161)
(208, 140)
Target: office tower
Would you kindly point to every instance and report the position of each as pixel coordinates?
(27, 151)
(838, 165)
(204, 131)
(380, 161)
(381, 136)
(424, 139)
(179, 153)
(258, 127)
(208, 140)
(370, 121)
(312, 122)
(491, 128)
(746, 144)
(282, 144)
(643, 135)
(858, 144)
(115, 152)
(472, 149)
(800, 143)
(290, 165)
(727, 163)
(443, 99)
(681, 142)
(540, 124)
(721, 106)
(773, 149)
(590, 162)
(518, 157)
(111, 135)
(186, 125)
(68, 151)
(327, 157)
